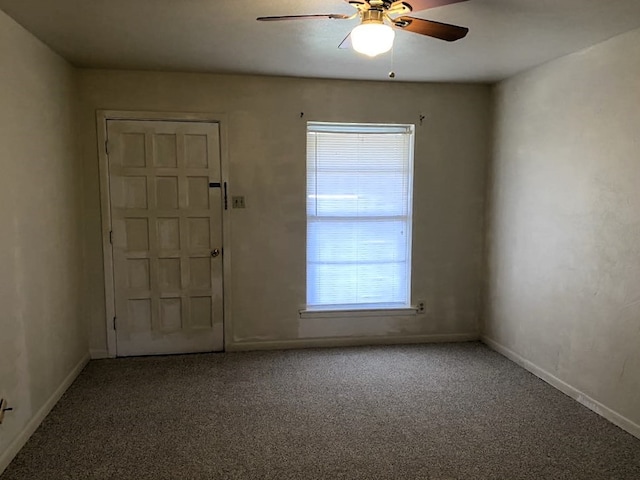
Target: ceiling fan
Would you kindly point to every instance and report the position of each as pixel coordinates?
(374, 35)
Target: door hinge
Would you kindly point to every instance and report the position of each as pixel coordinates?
(226, 202)
(114, 323)
(106, 147)
(111, 237)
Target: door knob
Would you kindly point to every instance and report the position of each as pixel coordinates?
(215, 252)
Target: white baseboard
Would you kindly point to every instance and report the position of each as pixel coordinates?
(97, 354)
(593, 405)
(349, 341)
(36, 420)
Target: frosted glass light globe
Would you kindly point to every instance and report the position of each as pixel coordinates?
(372, 38)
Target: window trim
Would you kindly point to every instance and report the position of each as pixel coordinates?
(310, 313)
(369, 310)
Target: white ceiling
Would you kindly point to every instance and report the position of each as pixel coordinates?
(506, 36)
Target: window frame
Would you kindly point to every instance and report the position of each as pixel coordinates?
(367, 309)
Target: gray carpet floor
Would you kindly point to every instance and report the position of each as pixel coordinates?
(456, 411)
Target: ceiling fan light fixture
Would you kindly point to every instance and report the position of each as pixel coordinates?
(372, 38)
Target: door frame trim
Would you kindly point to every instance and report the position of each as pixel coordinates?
(102, 117)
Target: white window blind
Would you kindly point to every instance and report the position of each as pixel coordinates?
(359, 197)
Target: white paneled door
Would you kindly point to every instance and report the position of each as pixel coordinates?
(166, 212)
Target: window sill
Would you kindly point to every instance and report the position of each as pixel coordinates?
(377, 312)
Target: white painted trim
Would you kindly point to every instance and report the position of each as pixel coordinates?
(227, 321)
(107, 251)
(98, 354)
(378, 312)
(33, 424)
(206, 117)
(569, 390)
(102, 116)
(350, 341)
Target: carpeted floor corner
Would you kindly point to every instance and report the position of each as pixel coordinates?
(455, 411)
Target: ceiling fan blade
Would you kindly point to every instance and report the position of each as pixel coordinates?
(443, 31)
(333, 16)
(417, 5)
(346, 43)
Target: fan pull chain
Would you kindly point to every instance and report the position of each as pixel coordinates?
(392, 73)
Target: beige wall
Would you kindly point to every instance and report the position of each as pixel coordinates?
(564, 241)
(42, 333)
(266, 138)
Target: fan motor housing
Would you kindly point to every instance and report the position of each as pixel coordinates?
(386, 6)
(373, 16)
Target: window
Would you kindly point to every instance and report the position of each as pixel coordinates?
(359, 197)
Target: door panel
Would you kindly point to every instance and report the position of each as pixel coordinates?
(166, 223)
